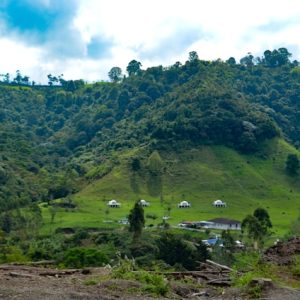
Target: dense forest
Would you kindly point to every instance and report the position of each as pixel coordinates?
(56, 138)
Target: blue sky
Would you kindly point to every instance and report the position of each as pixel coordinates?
(85, 38)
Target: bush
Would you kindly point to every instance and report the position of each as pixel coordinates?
(84, 257)
(142, 248)
(175, 250)
(296, 266)
(152, 283)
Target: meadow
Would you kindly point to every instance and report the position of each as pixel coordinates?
(200, 176)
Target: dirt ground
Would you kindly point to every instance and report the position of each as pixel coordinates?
(31, 283)
(283, 252)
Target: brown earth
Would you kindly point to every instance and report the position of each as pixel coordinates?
(283, 252)
(30, 283)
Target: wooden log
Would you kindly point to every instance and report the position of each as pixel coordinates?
(223, 267)
(263, 282)
(42, 263)
(220, 282)
(23, 275)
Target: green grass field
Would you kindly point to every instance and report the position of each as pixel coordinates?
(199, 176)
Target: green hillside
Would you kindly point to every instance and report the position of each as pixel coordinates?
(70, 147)
(199, 175)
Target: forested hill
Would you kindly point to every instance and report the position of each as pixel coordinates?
(52, 137)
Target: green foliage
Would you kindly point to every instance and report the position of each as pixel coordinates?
(155, 163)
(174, 250)
(115, 74)
(251, 265)
(263, 217)
(152, 283)
(84, 257)
(135, 164)
(247, 261)
(295, 228)
(296, 266)
(193, 56)
(225, 254)
(12, 254)
(56, 139)
(292, 164)
(133, 67)
(257, 226)
(136, 220)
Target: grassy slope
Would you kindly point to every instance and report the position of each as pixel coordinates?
(199, 176)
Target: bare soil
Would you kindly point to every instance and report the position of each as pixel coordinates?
(30, 283)
(283, 252)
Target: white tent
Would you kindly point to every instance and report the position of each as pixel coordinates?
(184, 204)
(144, 203)
(113, 203)
(219, 203)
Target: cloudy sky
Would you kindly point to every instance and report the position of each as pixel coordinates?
(86, 38)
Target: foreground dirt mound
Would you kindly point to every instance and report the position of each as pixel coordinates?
(283, 252)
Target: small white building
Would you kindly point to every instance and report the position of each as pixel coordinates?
(113, 203)
(144, 203)
(219, 203)
(184, 204)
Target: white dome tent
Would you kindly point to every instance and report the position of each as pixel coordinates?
(184, 204)
(219, 203)
(144, 203)
(113, 203)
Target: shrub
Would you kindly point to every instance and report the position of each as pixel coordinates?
(296, 266)
(175, 250)
(152, 283)
(84, 257)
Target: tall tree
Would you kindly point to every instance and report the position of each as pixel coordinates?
(257, 226)
(263, 217)
(193, 56)
(292, 164)
(18, 77)
(115, 74)
(136, 220)
(155, 163)
(133, 67)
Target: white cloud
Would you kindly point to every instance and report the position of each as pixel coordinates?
(148, 31)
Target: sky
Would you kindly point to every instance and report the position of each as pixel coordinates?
(84, 39)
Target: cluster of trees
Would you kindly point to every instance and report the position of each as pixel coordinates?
(57, 81)
(19, 79)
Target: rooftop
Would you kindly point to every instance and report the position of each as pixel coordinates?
(224, 221)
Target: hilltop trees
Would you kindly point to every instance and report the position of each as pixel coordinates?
(133, 67)
(115, 74)
(193, 56)
(276, 58)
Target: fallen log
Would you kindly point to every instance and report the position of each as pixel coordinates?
(42, 263)
(223, 267)
(59, 273)
(23, 275)
(220, 282)
(64, 272)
